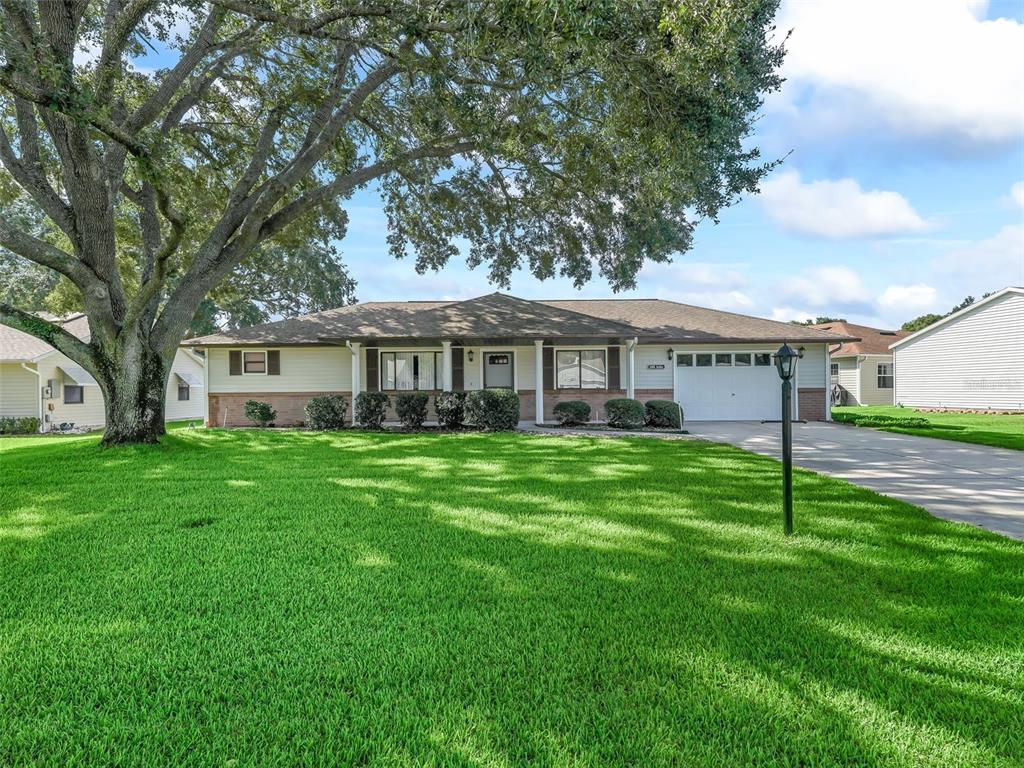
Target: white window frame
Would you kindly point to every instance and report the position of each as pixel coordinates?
(188, 392)
(833, 369)
(438, 367)
(64, 394)
(891, 376)
(583, 348)
(266, 362)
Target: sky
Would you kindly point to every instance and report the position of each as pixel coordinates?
(901, 127)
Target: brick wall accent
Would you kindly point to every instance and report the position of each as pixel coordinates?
(812, 404)
(596, 397)
(290, 406)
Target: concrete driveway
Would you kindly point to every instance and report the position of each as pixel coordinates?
(957, 481)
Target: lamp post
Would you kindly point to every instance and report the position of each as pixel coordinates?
(785, 362)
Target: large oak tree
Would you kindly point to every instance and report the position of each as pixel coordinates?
(564, 136)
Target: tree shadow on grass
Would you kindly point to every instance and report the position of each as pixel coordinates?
(499, 597)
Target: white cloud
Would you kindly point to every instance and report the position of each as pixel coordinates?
(787, 314)
(837, 209)
(917, 298)
(1017, 194)
(832, 287)
(986, 265)
(688, 275)
(932, 68)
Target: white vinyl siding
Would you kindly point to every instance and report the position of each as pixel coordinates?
(19, 391)
(175, 409)
(975, 360)
(849, 372)
(303, 369)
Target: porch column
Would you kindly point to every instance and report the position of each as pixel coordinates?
(538, 381)
(828, 383)
(446, 366)
(631, 379)
(356, 373)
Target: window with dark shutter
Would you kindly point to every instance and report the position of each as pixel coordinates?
(235, 362)
(372, 370)
(458, 369)
(548, 356)
(274, 362)
(613, 368)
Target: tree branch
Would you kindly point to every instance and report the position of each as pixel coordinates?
(41, 252)
(49, 332)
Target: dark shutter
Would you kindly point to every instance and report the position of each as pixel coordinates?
(372, 370)
(613, 367)
(548, 356)
(274, 362)
(458, 369)
(235, 362)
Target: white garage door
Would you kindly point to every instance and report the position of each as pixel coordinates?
(727, 386)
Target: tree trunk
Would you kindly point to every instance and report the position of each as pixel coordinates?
(134, 382)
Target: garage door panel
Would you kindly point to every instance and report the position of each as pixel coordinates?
(728, 393)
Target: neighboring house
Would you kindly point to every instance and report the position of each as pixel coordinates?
(37, 380)
(717, 365)
(972, 359)
(862, 371)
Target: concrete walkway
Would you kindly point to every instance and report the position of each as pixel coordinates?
(967, 483)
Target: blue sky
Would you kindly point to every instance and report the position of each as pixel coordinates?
(904, 128)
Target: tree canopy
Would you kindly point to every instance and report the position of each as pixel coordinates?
(564, 137)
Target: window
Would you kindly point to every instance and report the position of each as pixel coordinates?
(74, 394)
(254, 362)
(684, 360)
(885, 375)
(703, 360)
(723, 358)
(183, 391)
(742, 358)
(834, 369)
(410, 370)
(763, 358)
(581, 369)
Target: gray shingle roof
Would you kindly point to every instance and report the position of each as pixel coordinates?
(501, 316)
(16, 346)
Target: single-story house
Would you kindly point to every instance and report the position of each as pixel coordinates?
(37, 380)
(862, 371)
(972, 359)
(717, 365)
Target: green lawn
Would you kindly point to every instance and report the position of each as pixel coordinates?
(998, 430)
(281, 598)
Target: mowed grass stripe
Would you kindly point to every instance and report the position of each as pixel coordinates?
(287, 598)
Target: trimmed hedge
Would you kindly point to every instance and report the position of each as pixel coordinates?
(878, 420)
(372, 409)
(663, 414)
(326, 412)
(19, 425)
(260, 413)
(411, 408)
(624, 413)
(572, 412)
(494, 410)
(451, 409)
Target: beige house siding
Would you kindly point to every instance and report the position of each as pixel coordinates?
(19, 391)
(303, 369)
(848, 379)
(974, 360)
(870, 392)
(91, 411)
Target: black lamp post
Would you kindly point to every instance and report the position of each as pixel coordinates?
(785, 361)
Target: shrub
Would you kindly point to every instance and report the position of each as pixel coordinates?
(371, 409)
(663, 413)
(624, 413)
(572, 412)
(451, 409)
(411, 408)
(260, 413)
(495, 410)
(326, 412)
(19, 425)
(880, 420)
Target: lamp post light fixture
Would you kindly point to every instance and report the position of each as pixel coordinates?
(670, 353)
(785, 362)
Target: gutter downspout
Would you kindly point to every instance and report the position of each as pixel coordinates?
(39, 392)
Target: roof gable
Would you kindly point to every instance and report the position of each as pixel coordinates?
(873, 341)
(1015, 290)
